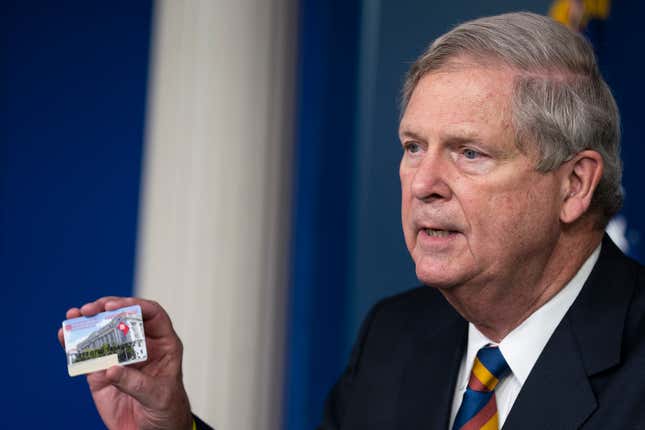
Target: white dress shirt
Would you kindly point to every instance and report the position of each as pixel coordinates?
(522, 346)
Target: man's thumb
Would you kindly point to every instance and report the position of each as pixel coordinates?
(134, 383)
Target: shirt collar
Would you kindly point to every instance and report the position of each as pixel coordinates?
(522, 346)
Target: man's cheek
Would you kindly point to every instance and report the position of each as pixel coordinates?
(504, 208)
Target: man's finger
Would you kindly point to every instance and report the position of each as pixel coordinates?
(134, 383)
(61, 337)
(98, 380)
(93, 308)
(72, 313)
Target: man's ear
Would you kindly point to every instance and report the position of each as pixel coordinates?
(582, 174)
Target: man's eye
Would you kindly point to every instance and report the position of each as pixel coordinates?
(471, 154)
(412, 147)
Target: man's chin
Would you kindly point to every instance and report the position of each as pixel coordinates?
(439, 273)
(437, 280)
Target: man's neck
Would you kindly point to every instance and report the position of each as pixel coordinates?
(498, 308)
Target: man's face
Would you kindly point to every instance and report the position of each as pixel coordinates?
(474, 210)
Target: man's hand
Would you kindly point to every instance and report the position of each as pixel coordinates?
(148, 395)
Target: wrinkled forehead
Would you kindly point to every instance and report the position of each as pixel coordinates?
(464, 63)
(461, 89)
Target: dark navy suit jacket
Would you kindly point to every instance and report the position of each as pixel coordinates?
(590, 375)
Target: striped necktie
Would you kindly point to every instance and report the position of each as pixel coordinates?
(478, 410)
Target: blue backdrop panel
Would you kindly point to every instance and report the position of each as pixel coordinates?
(618, 42)
(322, 184)
(74, 77)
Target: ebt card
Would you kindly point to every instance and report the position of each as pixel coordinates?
(105, 339)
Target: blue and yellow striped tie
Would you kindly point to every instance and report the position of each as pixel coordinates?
(478, 410)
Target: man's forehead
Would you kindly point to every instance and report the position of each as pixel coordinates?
(467, 72)
(461, 104)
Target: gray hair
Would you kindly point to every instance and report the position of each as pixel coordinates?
(560, 102)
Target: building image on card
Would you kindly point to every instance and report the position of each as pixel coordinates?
(106, 339)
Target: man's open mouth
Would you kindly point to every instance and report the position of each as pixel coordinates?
(438, 233)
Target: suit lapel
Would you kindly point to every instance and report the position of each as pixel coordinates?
(427, 386)
(558, 392)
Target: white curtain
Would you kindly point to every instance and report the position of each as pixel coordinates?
(214, 225)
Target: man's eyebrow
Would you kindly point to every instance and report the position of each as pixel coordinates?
(405, 133)
(458, 138)
(461, 133)
(453, 136)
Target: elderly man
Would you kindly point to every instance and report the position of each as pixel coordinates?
(529, 318)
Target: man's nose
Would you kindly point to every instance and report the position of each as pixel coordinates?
(429, 180)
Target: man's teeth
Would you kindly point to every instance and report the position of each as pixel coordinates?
(437, 233)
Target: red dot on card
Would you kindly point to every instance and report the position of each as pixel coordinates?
(68, 327)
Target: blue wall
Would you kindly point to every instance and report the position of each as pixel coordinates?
(619, 42)
(74, 77)
(322, 170)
